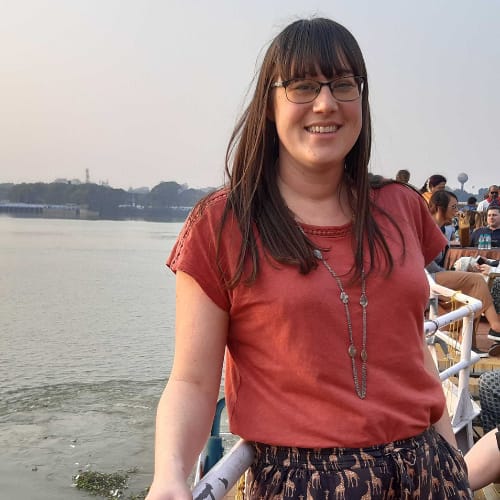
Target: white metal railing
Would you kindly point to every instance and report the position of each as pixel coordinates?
(223, 475)
(461, 407)
(219, 480)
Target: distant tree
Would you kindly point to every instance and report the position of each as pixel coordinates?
(165, 194)
(190, 197)
(5, 190)
(109, 202)
(28, 193)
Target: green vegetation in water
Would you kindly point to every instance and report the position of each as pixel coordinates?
(107, 485)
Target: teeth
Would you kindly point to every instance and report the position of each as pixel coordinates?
(322, 130)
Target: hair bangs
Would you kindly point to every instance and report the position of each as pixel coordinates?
(310, 47)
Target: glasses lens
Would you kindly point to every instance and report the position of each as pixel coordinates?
(302, 91)
(347, 89)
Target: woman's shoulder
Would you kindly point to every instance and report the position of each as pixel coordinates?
(201, 225)
(206, 214)
(393, 192)
(211, 205)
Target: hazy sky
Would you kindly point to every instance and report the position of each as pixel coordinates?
(146, 91)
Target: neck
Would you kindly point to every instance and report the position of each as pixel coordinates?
(440, 220)
(314, 199)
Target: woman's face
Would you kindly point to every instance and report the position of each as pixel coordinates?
(451, 211)
(438, 187)
(318, 135)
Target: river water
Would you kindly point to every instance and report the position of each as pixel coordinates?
(86, 346)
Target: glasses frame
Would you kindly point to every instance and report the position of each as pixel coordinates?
(360, 80)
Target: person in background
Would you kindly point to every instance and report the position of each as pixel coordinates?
(471, 204)
(492, 196)
(488, 267)
(493, 227)
(432, 184)
(403, 176)
(443, 207)
(282, 269)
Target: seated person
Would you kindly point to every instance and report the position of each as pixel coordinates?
(492, 196)
(432, 184)
(403, 176)
(486, 267)
(493, 227)
(471, 204)
(443, 207)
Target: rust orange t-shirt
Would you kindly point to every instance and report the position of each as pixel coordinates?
(289, 379)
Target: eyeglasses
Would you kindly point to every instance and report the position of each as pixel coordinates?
(303, 90)
(493, 192)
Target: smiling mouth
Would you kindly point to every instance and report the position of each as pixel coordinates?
(316, 129)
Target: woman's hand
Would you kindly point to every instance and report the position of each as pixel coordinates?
(174, 490)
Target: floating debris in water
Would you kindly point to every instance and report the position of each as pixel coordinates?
(110, 486)
(107, 485)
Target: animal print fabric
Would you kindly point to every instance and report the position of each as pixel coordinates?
(423, 467)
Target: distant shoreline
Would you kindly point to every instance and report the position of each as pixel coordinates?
(76, 212)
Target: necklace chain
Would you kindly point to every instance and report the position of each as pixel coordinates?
(352, 351)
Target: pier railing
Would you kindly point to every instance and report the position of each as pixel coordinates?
(220, 479)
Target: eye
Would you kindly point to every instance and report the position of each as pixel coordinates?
(303, 86)
(344, 84)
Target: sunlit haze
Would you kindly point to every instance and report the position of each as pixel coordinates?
(140, 92)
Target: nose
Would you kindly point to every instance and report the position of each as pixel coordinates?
(325, 101)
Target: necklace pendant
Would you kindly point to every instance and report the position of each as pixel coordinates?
(317, 253)
(359, 388)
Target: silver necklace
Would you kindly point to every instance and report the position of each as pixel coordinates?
(352, 351)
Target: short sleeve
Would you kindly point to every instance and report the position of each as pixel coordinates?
(195, 251)
(408, 207)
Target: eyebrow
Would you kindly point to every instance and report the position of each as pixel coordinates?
(338, 72)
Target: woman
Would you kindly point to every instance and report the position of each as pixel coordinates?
(443, 207)
(432, 184)
(295, 269)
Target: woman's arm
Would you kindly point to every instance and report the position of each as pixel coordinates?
(187, 406)
(443, 425)
(483, 461)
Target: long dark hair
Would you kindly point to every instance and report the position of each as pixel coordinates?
(440, 200)
(302, 48)
(431, 182)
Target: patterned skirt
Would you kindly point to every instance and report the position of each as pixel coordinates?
(423, 467)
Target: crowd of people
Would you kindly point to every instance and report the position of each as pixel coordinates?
(472, 278)
(483, 460)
